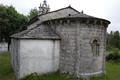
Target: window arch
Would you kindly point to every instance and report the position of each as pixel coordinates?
(95, 47)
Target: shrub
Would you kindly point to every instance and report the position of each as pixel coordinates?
(114, 55)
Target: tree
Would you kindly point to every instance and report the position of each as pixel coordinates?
(3, 22)
(113, 40)
(11, 22)
(116, 39)
(33, 12)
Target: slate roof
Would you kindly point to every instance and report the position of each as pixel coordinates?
(44, 31)
(39, 32)
(82, 15)
(48, 15)
(61, 9)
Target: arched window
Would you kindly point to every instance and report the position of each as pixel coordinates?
(95, 47)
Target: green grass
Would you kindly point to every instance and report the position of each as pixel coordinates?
(112, 50)
(6, 72)
(113, 71)
(51, 76)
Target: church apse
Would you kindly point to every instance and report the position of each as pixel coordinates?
(82, 45)
(73, 41)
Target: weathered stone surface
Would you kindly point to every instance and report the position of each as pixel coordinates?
(76, 56)
(82, 46)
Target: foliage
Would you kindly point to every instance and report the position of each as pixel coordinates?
(33, 12)
(114, 55)
(113, 46)
(113, 40)
(10, 22)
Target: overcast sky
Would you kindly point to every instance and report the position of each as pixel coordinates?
(107, 9)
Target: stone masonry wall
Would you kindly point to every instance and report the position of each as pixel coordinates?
(88, 63)
(67, 46)
(76, 56)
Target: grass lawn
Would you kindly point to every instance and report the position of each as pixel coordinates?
(113, 71)
(6, 72)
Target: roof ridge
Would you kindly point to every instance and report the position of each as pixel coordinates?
(61, 9)
(36, 17)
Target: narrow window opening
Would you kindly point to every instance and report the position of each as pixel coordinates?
(95, 48)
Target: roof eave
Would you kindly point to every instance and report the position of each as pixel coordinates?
(36, 38)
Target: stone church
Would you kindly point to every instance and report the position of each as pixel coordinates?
(65, 39)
